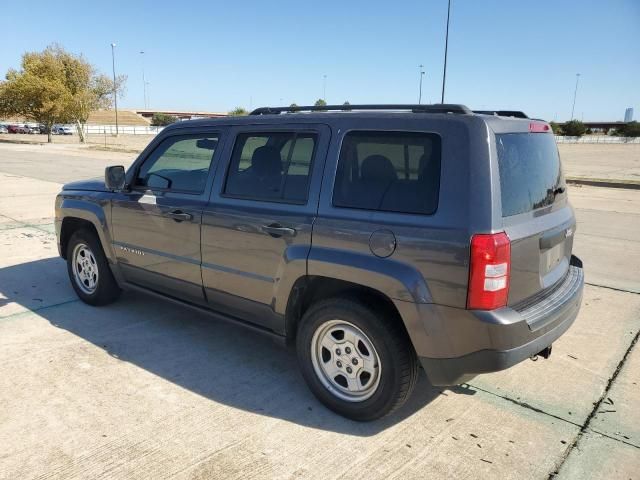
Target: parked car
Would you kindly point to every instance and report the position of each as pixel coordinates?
(18, 129)
(33, 129)
(61, 130)
(375, 240)
(4, 129)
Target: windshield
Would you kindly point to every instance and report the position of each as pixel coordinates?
(530, 172)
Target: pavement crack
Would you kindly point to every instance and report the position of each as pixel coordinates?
(526, 405)
(616, 289)
(596, 407)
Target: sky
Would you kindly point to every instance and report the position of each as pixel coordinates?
(215, 56)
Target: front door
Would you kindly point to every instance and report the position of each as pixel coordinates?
(256, 230)
(156, 224)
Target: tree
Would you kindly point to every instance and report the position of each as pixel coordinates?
(556, 128)
(54, 86)
(293, 107)
(574, 128)
(631, 129)
(162, 119)
(347, 106)
(320, 103)
(37, 91)
(238, 112)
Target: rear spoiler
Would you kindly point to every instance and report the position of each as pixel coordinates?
(503, 113)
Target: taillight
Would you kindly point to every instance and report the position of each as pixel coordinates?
(539, 127)
(490, 265)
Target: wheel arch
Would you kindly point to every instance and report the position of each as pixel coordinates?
(74, 214)
(310, 289)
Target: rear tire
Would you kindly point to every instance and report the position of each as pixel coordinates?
(89, 269)
(358, 362)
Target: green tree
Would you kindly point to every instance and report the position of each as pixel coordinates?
(162, 119)
(320, 103)
(557, 129)
(293, 107)
(54, 86)
(238, 112)
(631, 129)
(574, 128)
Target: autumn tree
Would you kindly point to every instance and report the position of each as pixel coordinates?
(54, 86)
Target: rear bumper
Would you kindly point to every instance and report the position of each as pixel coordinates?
(488, 341)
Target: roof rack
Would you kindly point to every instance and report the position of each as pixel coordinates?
(435, 108)
(503, 113)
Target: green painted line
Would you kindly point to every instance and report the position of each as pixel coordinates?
(36, 310)
(28, 225)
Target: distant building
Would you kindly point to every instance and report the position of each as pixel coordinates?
(628, 115)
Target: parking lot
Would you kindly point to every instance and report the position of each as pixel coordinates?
(145, 389)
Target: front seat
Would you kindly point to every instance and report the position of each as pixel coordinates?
(266, 172)
(377, 175)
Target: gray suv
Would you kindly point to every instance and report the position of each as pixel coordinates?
(374, 239)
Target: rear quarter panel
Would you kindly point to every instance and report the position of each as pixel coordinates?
(430, 263)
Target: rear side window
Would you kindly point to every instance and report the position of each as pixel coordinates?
(389, 171)
(271, 166)
(530, 173)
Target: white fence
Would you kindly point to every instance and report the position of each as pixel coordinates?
(122, 129)
(596, 139)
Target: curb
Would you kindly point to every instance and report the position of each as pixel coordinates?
(599, 182)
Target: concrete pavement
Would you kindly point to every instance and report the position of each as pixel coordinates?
(145, 389)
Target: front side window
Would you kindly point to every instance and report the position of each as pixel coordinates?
(389, 171)
(179, 163)
(271, 166)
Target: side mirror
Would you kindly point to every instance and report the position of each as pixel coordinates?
(114, 178)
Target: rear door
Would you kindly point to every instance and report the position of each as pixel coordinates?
(536, 213)
(256, 229)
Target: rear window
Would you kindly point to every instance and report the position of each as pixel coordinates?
(389, 171)
(530, 173)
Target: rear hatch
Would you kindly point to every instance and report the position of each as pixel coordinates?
(536, 214)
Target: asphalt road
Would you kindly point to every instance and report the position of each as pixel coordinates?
(145, 389)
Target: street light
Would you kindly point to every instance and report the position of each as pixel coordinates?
(446, 48)
(324, 88)
(115, 93)
(420, 91)
(575, 93)
(144, 82)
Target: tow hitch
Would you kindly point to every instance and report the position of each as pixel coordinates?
(546, 353)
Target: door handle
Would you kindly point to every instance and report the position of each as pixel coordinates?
(179, 215)
(276, 230)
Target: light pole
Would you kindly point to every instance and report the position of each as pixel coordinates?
(575, 93)
(446, 48)
(420, 91)
(148, 96)
(115, 92)
(144, 82)
(324, 88)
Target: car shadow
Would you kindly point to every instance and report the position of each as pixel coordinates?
(217, 360)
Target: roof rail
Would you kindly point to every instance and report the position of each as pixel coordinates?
(435, 108)
(503, 113)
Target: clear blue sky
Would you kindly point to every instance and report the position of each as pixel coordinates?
(215, 56)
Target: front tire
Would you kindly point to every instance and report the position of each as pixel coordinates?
(359, 362)
(89, 270)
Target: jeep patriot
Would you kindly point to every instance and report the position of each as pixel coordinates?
(374, 238)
